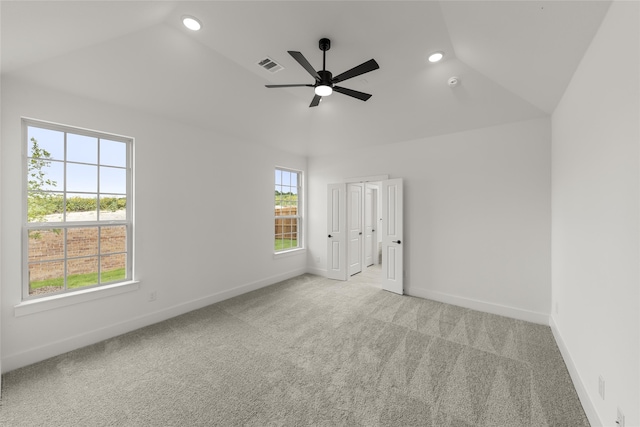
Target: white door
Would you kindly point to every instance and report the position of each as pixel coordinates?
(337, 231)
(392, 240)
(354, 200)
(370, 216)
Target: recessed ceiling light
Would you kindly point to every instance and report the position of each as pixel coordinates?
(191, 23)
(436, 56)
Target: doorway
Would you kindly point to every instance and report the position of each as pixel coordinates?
(364, 224)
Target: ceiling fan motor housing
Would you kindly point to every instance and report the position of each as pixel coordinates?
(325, 78)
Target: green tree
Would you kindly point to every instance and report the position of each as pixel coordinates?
(39, 202)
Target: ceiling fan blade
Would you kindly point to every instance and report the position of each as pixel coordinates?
(300, 85)
(365, 67)
(360, 95)
(315, 101)
(305, 64)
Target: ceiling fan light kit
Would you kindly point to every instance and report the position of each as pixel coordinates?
(323, 90)
(325, 83)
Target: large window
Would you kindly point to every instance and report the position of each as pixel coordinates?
(288, 210)
(78, 216)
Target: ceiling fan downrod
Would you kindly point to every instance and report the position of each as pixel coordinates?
(325, 45)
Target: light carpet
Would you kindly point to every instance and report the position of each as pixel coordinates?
(307, 352)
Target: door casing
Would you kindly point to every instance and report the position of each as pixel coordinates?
(393, 277)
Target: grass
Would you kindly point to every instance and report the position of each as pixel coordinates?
(281, 244)
(80, 280)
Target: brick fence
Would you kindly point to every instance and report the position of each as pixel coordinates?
(81, 242)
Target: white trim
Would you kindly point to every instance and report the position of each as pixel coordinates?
(372, 178)
(37, 354)
(299, 211)
(86, 131)
(290, 252)
(487, 307)
(578, 383)
(38, 305)
(317, 271)
(55, 300)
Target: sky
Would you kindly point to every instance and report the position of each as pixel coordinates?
(84, 171)
(286, 181)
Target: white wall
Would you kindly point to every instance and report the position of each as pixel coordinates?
(476, 214)
(595, 215)
(203, 223)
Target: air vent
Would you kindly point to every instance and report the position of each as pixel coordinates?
(270, 65)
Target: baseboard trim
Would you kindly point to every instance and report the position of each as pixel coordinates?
(317, 271)
(487, 307)
(40, 353)
(583, 395)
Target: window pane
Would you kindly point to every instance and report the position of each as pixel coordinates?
(44, 207)
(113, 239)
(113, 153)
(46, 245)
(71, 177)
(278, 244)
(46, 277)
(82, 178)
(45, 175)
(286, 232)
(82, 207)
(82, 242)
(82, 272)
(47, 144)
(113, 180)
(82, 148)
(113, 207)
(113, 268)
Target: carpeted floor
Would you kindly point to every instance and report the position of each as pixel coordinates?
(307, 351)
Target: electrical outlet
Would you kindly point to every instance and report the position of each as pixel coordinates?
(317, 260)
(153, 296)
(601, 386)
(620, 420)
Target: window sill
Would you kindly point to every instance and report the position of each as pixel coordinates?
(292, 252)
(63, 300)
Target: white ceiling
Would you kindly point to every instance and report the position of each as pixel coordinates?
(514, 58)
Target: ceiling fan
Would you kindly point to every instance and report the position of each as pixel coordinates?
(325, 83)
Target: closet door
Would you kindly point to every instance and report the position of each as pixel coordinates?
(392, 239)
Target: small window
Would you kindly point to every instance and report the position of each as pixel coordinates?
(288, 211)
(78, 219)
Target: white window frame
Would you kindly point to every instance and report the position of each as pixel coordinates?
(63, 225)
(299, 212)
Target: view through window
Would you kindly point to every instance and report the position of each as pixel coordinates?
(78, 216)
(288, 219)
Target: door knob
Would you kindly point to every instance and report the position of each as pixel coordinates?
(330, 235)
(396, 241)
(360, 233)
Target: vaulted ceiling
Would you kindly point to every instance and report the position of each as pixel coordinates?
(514, 60)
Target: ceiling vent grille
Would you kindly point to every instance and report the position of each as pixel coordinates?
(270, 65)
